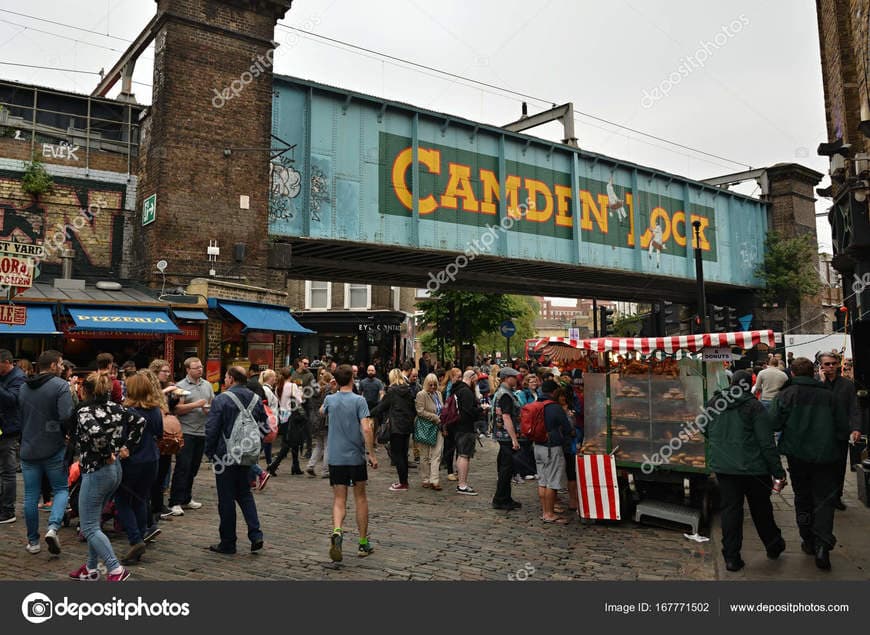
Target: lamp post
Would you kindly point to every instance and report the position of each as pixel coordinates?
(699, 276)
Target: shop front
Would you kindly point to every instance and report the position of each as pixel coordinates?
(140, 334)
(356, 337)
(252, 335)
(190, 342)
(38, 333)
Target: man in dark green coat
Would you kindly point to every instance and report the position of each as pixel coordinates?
(743, 456)
(812, 422)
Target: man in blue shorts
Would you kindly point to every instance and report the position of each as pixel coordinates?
(350, 440)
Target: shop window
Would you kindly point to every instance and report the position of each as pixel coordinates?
(357, 296)
(318, 295)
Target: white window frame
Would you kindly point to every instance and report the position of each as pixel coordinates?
(396, 297)
(308, 290)
(347, 305)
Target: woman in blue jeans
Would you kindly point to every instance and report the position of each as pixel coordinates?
(105, 432)
(140, 469)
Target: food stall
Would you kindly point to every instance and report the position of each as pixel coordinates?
(644, 402)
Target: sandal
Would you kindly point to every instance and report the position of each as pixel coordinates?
(559, 509)
(555, 521)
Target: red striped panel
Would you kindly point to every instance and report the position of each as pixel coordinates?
(612, 489)
(596, 485)
(693, 343)
(582, 485)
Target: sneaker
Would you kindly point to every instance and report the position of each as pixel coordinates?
(365, 550)
(531, 477)
(33, 548)
(175, 510)
(467, 490)
(517, 480)
(310, 472)
(398, 487)
(83, 574)
(452, 477)
(150, 534)
(45, 507)
(191, 505)
(6, 518)
(118, 577)
(52, 541)
(324, 475)
(335, 546)
(262, 479)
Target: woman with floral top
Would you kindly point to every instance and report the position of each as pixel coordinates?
(105, 433)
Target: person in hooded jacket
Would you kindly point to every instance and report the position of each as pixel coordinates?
(812, 423)
(11, 378)
(398, 405)
(744, 458)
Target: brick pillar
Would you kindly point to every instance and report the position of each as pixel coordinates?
(206, 140)
(792, 213)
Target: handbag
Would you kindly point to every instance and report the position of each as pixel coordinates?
(425, 431)
(173, 438)
(384, 431)
(273, 424)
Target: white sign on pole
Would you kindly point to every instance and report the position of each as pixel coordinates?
(717, 354)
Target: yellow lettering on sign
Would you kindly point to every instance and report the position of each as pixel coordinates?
(537, 188)
(629, 203)
(659, 213)
(432, 160)
(491, 192)
(459, 186)
(705, 223)
(599, 211)
(512, 193)
(563, 205)
(679, 218)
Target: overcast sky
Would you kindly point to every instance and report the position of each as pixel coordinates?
(743, 78)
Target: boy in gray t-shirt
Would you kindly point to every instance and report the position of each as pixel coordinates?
(349, 440)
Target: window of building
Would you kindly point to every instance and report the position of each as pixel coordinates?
(358, 296)
(396, 294)
(318, 295)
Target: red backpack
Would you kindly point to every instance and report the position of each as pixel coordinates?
(450, 412)
(532, 423)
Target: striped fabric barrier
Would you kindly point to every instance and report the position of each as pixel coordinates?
(597, 486)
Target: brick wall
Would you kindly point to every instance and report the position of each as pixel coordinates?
(203, 46)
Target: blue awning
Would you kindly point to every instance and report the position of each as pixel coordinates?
(39, 322)
(124, 320)
(189, 315)
(262, 317)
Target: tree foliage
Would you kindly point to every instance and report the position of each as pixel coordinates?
(523, 312)
(789, 270)
(459, 317)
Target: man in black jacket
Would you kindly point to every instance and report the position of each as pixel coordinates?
(847, 398)
(466, 437)
(233, 485)
(11, 378)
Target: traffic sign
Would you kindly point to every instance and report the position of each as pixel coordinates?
(149, 210)
(27, 250)
(507, 328)
(16, 272)
(14, 314)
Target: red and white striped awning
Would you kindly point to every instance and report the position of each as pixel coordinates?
(647, 345)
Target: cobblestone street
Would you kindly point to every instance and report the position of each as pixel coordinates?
(427, 535)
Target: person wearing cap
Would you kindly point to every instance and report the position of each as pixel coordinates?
(506, 432)
(550, 456)
(744, 458)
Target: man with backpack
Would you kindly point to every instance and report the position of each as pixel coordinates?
(235, 427)
(545, 423)
(507, 416)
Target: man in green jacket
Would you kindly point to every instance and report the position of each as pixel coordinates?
(812, 422)
(743, 456)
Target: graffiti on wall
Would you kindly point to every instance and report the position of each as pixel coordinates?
(56, 218)
(285, 185)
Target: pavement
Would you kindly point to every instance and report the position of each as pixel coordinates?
(426, 535)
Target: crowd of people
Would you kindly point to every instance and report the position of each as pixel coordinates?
(101, 449)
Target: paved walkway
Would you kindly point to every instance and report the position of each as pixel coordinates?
(427, 535)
